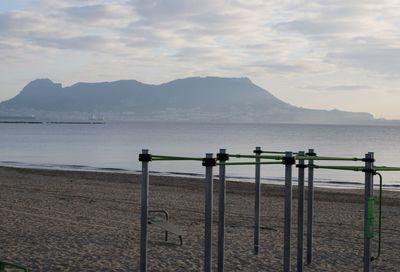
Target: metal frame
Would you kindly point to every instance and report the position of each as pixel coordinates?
(208, 210)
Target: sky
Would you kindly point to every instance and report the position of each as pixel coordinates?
(312, 54)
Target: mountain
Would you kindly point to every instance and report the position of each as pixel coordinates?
(211, 99)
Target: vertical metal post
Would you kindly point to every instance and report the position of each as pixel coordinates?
(368, 217)
(300, 213)
(208, 162)
(221, 211)
(288, 161)
(144, 198)
(310, 206)
(257, 151)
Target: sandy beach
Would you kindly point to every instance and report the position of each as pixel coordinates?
(89, 221)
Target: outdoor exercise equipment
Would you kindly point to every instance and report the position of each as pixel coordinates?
(165, 224)
(288, 159)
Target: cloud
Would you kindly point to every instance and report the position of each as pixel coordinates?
(318, 27)
(18, 22)
(75, 43)
(339, 88)
(349, 34)
(173, 10)
(384, 60)
(92, 14)
(280, 67)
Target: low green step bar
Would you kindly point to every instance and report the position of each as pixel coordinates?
(6, 266)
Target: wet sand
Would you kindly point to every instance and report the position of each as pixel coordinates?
(89, 221)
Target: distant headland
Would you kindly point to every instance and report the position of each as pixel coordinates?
(195, 99)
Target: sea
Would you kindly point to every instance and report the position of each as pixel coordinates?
(115, 146)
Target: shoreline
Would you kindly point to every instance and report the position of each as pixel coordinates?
(89, 221)
(328, 184)
(232, 185)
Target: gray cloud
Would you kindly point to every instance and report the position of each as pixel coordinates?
(280, 67)
(15, 23)
(98, 12)
(187, 53)
(161, 10)
(76, 43)
(385, 60)
(339, 88)
(316, 27)
(89, 13)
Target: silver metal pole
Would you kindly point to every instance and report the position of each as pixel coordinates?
(300, 213)
(310, 207)
(144, 197)
(257, 151)
(221, 213)
(208, 212)
(368, 214)
(288, 160)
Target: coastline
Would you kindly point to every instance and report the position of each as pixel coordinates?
(331, 184)
(57, 220)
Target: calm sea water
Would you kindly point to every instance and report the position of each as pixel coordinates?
(115, 147)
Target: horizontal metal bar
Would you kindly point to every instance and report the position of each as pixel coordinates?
(318, 158)
(386, 168)
(276, 152)
(176, 158)
(247, 163)
(256, 156)
(348, 168)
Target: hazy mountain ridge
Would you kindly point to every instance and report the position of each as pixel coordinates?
(190, 99)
